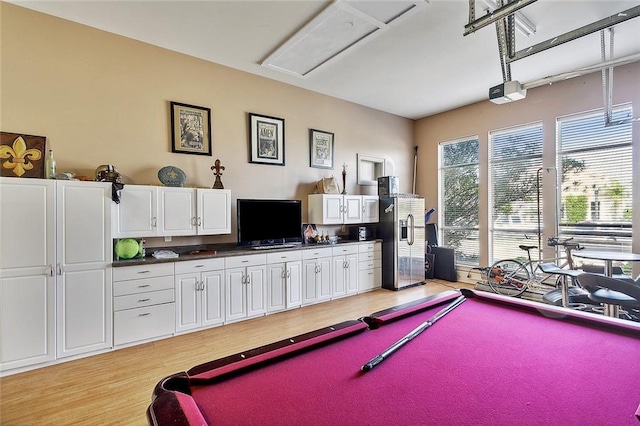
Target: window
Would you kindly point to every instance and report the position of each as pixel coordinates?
(458, 177)
(515, 161)
(595, 171)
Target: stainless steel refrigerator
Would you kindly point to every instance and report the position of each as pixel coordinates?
(401, 227)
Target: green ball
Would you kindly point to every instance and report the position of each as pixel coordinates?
(127, 248)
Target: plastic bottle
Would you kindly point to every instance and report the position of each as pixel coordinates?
(50, 166)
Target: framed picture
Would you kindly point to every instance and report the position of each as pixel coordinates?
(266, 139)
(22, 155)
(320, 149)
(190, 129)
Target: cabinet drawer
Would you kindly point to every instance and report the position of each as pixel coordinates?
(375, 255)
(199, 265)
(369, 247)
(368, 264)
(143, 323)
(317, 252)
(121, 303)
(122, 288)
(284, 256)
(240, 261)
(142, 271)
(344, 249)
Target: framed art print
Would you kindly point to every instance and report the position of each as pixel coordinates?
(266, 139)
(190, 129)
(320, 149)
(22, 155)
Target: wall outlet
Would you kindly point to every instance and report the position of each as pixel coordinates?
(167, 239)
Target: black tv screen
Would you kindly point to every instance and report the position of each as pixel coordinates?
(269, 222)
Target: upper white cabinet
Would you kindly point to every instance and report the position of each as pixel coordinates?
(333, 209)
(55, 269)
(148, 211)
(370, 209)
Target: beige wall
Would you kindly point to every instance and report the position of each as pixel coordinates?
(104, 99)
(543, 104)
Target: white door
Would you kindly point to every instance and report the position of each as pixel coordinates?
(188, 301)
(370, 209)
(276, 287)
(212, 298)
(294, 284)
(324, 278)
(339, 276)
(351, 273)
(256, 290)
(214, 211)
(84, 255)
(310, 274)
(235, 307)
(137, 213)
(332, 211)
(352, 209)
(178, 211)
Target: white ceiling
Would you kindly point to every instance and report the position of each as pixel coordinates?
(419, 66)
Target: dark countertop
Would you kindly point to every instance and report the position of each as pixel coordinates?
(216, 250)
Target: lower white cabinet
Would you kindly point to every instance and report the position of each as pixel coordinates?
(316, 275)
(143, 302)
(345, 270)
(369, 266)
(200, 294)
(245, 286)
(284, 280)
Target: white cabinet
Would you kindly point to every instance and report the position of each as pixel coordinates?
(84, 255)
(143, 303)
(245, 286)
(369, 266)
(55, 282)
(148, 211)
(27, 265)
(327, 209)
(345, 270)
(199, 289)
(284, 280)
(370, 209)
(316, 275)
(334, 209)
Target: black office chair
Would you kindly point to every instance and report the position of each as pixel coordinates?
(611, 292)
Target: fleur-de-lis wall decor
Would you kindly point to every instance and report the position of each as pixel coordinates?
(22, 155)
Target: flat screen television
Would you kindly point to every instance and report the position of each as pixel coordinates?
(269, 222)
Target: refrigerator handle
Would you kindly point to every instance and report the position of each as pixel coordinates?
(410, 223)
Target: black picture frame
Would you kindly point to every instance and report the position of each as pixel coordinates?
(321, 147)
(266, 139)
(190, 129)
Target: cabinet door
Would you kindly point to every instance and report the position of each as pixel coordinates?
(370, 209)
(177, 211)
(188, 300)
(294, 284)
(310, 274)
(352, 209)
(27, 283)
(214, 211)
(324, 278)
(256, 290)
(212, 298)
(276, 287)
(351, 273)
(84, 255)
(235, 306)
(339, 276)
(137, 213)
(333, 208)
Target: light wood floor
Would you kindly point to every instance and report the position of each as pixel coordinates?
(115, 388)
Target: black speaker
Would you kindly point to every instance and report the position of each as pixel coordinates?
(431, 230)
(444, 266)
(429, 259)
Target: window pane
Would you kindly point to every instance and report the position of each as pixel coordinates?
(595, 163)
(459, 199)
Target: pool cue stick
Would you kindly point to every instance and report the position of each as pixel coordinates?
(406, 339)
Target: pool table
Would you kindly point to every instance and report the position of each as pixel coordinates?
(490, 360)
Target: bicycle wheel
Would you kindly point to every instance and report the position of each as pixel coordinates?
(509, 277)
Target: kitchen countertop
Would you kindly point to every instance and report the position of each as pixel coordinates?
(217, 250)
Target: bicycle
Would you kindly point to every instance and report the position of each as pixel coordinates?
(512, 277)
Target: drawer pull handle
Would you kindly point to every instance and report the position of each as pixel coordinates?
(144, 285)
(143, 300)
(146, 314)
(199, 266)
(143, 272)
